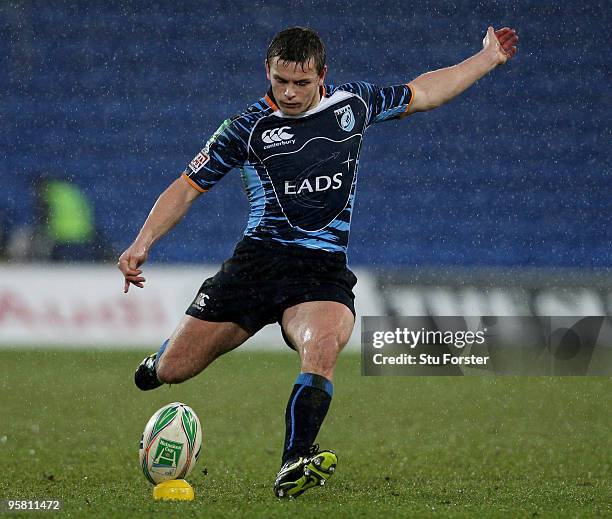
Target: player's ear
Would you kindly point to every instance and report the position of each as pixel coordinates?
(322, 75)
(267, 69)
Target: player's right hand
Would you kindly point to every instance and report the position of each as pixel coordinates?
(129, 263)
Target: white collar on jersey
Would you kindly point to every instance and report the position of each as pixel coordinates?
(337, 96)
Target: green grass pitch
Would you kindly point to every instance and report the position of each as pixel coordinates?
(408, 447)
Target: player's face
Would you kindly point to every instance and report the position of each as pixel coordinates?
(295, 85)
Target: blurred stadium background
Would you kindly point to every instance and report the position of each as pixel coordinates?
(478, 206)
(498, 203)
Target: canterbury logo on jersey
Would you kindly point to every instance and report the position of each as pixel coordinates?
(277, 137)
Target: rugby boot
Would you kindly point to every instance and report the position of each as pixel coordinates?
(145, 377)
(298, 475)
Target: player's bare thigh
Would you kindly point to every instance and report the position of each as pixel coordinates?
(194, 345)
(319, 330)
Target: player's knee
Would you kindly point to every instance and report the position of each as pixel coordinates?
(320, 354)
(330, 344)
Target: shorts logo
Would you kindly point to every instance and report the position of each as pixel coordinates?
(200, 301)
(345, 118)
(198, 162)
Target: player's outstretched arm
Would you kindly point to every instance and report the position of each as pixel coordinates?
(435, 88)
(170, 207)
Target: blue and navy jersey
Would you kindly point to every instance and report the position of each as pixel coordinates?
(299, 172)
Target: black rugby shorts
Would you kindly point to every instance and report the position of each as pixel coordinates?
(262, 279)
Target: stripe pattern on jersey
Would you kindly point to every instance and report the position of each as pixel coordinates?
(299, 172)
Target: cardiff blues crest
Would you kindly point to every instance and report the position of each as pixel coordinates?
(345, 118)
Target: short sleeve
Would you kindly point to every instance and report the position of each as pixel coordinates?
(384, 103)
(391, 102)
(225, 150)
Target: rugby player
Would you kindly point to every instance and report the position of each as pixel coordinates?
(298, 152)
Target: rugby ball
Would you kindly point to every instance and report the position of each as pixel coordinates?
(171, 443)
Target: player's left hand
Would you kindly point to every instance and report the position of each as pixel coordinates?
(501, 43)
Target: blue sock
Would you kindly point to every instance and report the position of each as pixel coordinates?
(306, 410)
(161, 351)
